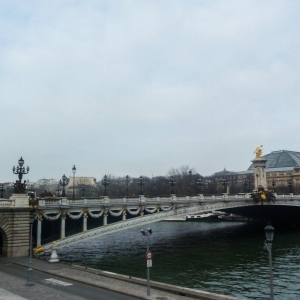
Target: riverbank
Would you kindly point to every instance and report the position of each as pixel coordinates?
(128, 285)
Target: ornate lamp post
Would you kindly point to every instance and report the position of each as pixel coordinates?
(29, 270)
(189, 188)
(141, 182)
(147, 234)
(58, 190)
(290, 184)
(199, 185)
(245, 182)
(269, 232)
(224, 183)
(83, 188)
(172, 182)
(20, 171)
(154, 191)
(1, 189)
(74, 171)
(105, 183)
(127, 186)
(63, 183)
(274, 184)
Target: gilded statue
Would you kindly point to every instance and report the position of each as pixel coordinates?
(258, 151)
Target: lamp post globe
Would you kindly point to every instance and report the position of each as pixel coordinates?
(269, 232)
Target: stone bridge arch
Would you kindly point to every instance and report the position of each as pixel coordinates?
(14, 233)
(3, 243)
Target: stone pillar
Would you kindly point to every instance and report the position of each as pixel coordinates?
(39, 229)
(260, 178)
(85, 216)
(105, 218)
(63, 225)
(15, 232)
(124, 214)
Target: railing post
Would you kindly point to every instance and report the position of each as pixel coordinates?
(39, 229)
(105, 218)
(63, 225)
(85, 216)
(124, 214)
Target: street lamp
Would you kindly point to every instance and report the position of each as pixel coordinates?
(74, 171)
(20, 171)
(105, 183)
(273, 184)
(83, 188)
(189, 188)
(127, 185)
(224, 183)
(269, 232)
(245, 182)
(141, 182)
(63, 183)
(1, 189)
(199, 185)
(148, 256)
(154, 191)
(58, 190)
(29, 270)
(290, 184)
(172, 183)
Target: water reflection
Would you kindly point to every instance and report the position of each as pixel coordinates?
(224, 258)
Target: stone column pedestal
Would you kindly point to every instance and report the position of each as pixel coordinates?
(260, 177)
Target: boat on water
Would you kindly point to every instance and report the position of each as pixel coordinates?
(200, 217)
(176, 219)
(208, 216)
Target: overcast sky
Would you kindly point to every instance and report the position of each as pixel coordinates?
(139, 87)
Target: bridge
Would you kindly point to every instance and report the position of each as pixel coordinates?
(126, 213)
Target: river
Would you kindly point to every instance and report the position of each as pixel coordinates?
(220, 257)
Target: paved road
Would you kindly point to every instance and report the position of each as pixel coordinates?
(14, 277)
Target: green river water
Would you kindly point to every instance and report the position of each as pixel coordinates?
(220, 257)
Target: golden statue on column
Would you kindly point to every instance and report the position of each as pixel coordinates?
(258, 152)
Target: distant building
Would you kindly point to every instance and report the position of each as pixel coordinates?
(83, 186)
(283, 166)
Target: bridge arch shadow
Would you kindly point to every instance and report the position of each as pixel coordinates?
(3, 243)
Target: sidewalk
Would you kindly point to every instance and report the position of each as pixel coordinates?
(120, 283)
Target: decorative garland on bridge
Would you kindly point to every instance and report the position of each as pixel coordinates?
(75, 217)
(134, 212)
(166, 208)
(52, 218)
(96, 215)
(150, 210)
(115, 214)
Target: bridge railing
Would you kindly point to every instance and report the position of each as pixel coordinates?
(140, 200)
(7, 203)
(148, 200)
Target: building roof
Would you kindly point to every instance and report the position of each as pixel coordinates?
(224, 173)
(281, 159)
